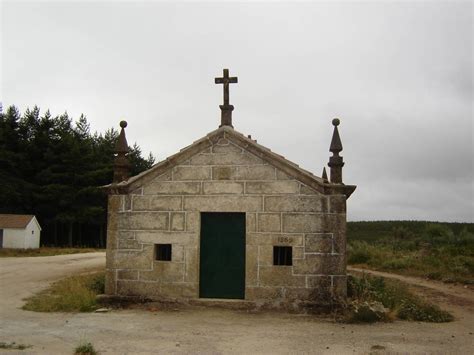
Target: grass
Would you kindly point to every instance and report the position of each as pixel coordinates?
(14, 346)
(73, 294)
(85, 348)
(393, 295)
(44, 251)
(440, 251)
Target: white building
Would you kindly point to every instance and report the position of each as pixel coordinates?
(19, 231)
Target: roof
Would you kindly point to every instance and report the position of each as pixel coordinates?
(250, 145)
(15, 220)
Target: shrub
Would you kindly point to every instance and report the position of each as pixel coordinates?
(85, 348)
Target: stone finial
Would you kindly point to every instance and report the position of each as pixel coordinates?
(121, 163)
(226, 108)
(335, 162)
(325, 175)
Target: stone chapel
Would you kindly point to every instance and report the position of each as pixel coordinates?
(227, 218)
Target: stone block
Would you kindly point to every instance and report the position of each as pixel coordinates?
(318, 243)
(110, 281)
(179, 290)
(298, 253)
(144, 220)
(157, 203)
(128, 244)
(339, 286)
(115, 203)
(128, 259)
(164, 271)
(223, 187)
(192, 265)
(255, 172)
(251, 267)
(157, 237)
(337, 204)
(295, 203)
(137, 288)
(127, 203)
(320, 264)
(280, 175)
(298, 294)
(111, 239)
(173, 188)
(263, 293)
(181, 173)
(226, 148)
(193, 221)
(251, 222)
(126, 235)
(306, 223)
(225, 203)
(280, 276)
(306, 190)
(269, 222)
(274, 239)
(163, 177)
(265, 255)
(272, 187)
(177, 221)
(229, 158)
(127, 275)
(177, 253)
(320, 288)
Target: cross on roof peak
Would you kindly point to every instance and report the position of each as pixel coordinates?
(226, 108)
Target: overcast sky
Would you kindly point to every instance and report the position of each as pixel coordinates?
(399, 75)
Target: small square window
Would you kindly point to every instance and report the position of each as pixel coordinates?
(282, 255)
(163, 252)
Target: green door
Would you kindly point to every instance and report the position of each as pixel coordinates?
(222, 261)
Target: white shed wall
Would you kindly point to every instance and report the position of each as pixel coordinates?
(22, 238)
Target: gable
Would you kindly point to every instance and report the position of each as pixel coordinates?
(226, 154)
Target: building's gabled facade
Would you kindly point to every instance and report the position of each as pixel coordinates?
(227, 218)
(18, 231)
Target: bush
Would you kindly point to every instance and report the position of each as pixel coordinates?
(366, 292)
(85, 348)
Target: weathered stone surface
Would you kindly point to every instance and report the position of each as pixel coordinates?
(111, 239)
(280, 276)
(251, 222)
(306, 190)
(275, 239)
(269, 222)
(263, 293)
(298, 253)
(115, 203)
(192, 265)
(223, 203)
(179, 290)
(177, 221)
(128, 244)
(137, 288)
(126, 235)
(193, 221)
(110, 281)
(144, 220)
(265, 255)
(181, 173)
(256, 172)
(231, 158)
(318, 243)
(173, 188)
(177, 253)
(157, 203)
(163, 177)
(127, 202)
(164, 271)
(320, 288)
(298, 294)
(128, 259)
(337, 204)
(298, 223)
(272, 187)
(223, 187)
(251, 266)
(339, 286)
(157, 237)
(127, 275)
(280, 175)
(295, 203)
(320, 264)
(226, 148)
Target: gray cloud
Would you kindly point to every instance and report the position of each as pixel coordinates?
(399, 75)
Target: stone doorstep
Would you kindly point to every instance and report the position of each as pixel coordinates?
(237, 304)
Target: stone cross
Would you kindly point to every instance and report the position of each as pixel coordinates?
(226, 108)
(226, 80)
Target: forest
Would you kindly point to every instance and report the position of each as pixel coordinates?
(53, 167)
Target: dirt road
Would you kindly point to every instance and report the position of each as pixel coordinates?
(198, 330)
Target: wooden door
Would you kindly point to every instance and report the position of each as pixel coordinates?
(222, 255)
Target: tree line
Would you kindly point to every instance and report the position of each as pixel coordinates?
(53, 167)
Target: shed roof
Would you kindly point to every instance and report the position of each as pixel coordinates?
(246, 143)
(15, 220)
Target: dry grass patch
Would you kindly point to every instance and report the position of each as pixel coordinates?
(45, 251)
(73, 294)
